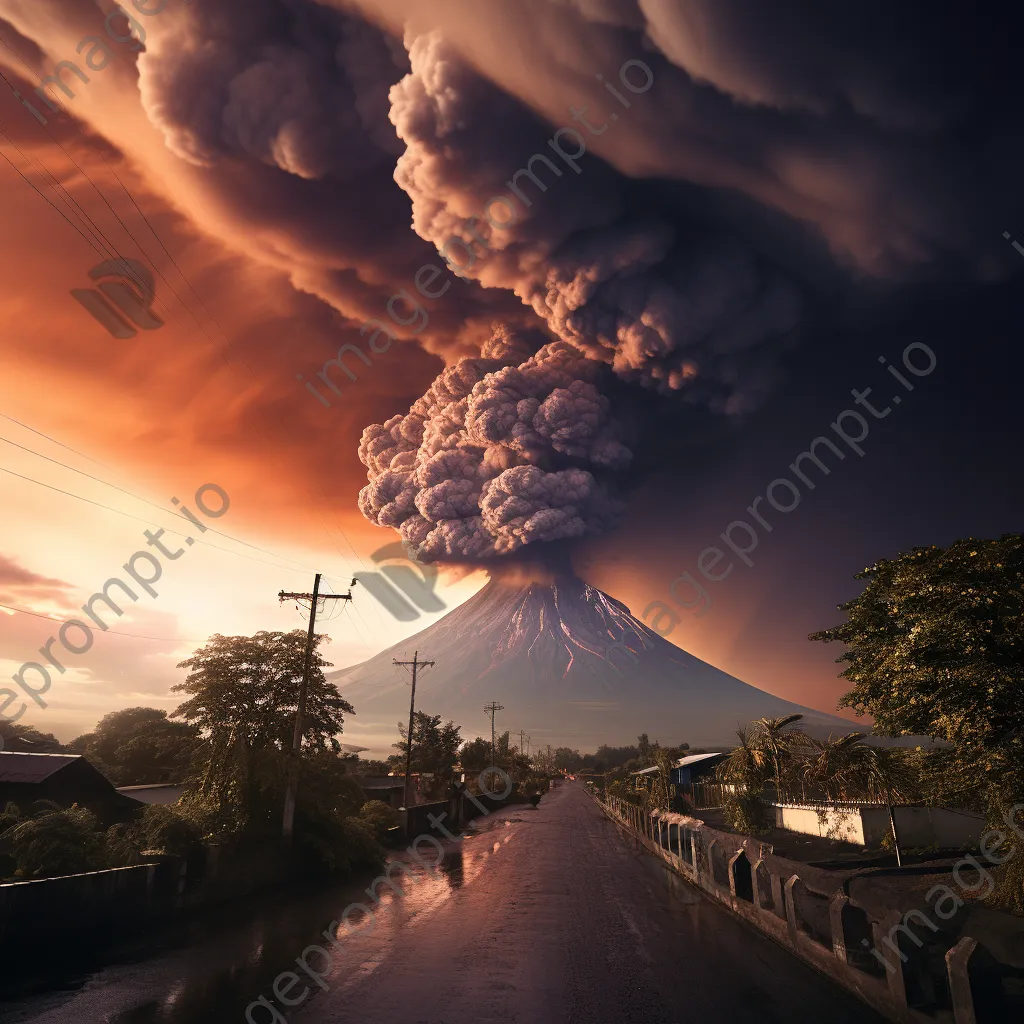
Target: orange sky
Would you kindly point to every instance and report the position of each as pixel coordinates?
(211, 397)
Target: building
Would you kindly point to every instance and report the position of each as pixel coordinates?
(154, 793)
(64, 779)
(387, 788)
(695, 768)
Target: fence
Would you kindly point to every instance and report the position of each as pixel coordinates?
(968, 970)
(705, 796)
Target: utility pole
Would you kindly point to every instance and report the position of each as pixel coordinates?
(300, 711)
(491, 708)
(522, 749)
(415, 663)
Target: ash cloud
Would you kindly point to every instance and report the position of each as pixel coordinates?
(673, 308)
(498, 455)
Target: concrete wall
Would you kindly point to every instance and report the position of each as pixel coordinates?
(56, 922)
(845, 824)
(868, 825)
(833, 919)
(924, 826)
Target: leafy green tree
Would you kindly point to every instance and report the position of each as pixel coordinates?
(435, 749)
(935, 646)
(568, 760)
(243, 697)
(26, 739)
(137, 746)
(380, 818)
(248, 687)
(935, 643)
(475, 756)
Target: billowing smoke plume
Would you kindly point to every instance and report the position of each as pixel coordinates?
(497, 456)
(677, 311)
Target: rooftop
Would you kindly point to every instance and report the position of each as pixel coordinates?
(15, 767)
(693, 759)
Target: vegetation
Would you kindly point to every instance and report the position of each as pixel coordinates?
(379, 818)
(52, 841)
(935, 646)
(232, 751)
(138, 746)
(435, 751)
(25, 739)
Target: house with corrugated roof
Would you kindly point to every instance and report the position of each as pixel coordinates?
(65, 779)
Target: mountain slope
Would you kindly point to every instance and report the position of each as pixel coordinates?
(540, 651)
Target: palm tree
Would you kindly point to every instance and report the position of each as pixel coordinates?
(831, 765)
(747, 767)
(777, 744)
(890, 772)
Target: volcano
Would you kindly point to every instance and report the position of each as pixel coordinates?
(571, 665)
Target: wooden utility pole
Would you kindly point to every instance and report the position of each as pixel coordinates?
(415, 663)
(300, 711)
(493, 707)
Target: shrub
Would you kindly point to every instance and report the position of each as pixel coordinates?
(63, 842)
(339, 845)
(379, 818)
(746, 813)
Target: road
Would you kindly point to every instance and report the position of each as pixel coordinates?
(546, 915)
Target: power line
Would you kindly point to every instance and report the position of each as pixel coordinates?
(148, 522)
(137, 497)
(215, 347)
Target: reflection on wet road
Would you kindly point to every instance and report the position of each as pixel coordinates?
(539, 915)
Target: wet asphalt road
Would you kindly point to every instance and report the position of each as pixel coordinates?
(540, 916)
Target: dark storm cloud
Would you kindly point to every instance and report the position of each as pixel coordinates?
(780, 110)
(284, 104)
(669, 306)
(881, 130)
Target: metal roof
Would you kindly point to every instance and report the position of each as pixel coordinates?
(15, 767)
(684, 761)
(646, 771)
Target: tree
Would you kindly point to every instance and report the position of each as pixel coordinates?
(935, 646)
(25, 739)
(475, 756)
(568, 760)
(137, 746)
(435, 749)
(244, 692)
(776, 742)
(381, 819)
(643, 747)
(250, 686)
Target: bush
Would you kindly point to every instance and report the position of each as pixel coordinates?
(746, 813)
(64, 842)
(160, 829)
(339, 845)
(379, 818)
